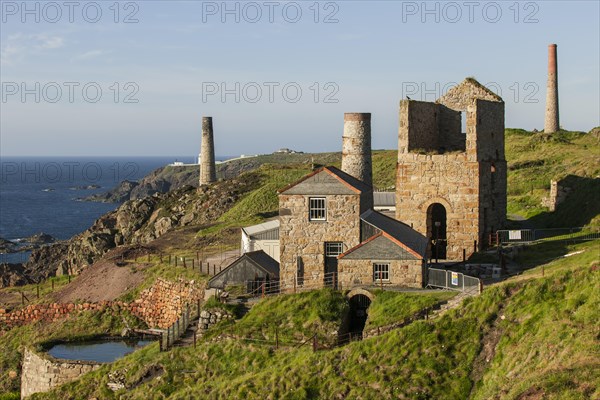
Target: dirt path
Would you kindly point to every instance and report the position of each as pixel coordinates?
(489, 342)
(103, 280)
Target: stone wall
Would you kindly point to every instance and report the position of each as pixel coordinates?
(470, 184)
(159, 306)
(558, 194)
(306, 239)
(404, 273)
(209, 318)
(42, 373)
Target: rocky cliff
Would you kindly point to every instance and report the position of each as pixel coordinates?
(139, 221)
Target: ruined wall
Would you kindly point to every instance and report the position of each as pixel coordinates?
(300, 237)
(405, 273)
(558, 194)
(448, 179)
(468, 178)
(418, 126)
(159, 306)
(42, 373)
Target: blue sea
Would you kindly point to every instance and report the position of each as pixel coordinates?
(41, 194)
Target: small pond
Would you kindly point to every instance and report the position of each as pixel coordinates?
(100, 351)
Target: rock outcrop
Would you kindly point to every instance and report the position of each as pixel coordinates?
(139, 221)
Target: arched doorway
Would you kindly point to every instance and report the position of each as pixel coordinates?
(359, 303)
(436, 231)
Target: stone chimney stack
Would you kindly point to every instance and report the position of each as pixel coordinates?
(356, 146)
(208, 172)
(551, 123)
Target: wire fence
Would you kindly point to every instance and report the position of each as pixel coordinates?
(454, 281)
(527, 236)
(179, 328)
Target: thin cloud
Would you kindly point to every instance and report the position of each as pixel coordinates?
(17, 46)
(89, 55)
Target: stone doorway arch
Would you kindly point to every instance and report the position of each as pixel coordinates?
(437, 226)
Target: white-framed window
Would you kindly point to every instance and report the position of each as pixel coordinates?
(381, 272)
(333, 249)
(317, 209)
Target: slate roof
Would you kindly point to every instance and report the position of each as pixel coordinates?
(261, 228)
(384, 199)
(259, 258)
(354, 184)
(401, 234)
(264, 261)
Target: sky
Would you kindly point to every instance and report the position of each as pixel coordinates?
(134, 78)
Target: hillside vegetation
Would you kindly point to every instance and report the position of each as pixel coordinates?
(531, 337)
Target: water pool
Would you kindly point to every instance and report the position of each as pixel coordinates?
(101, 351)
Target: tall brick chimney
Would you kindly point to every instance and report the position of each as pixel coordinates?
(208, 173)
(551, 123)
(356, 146)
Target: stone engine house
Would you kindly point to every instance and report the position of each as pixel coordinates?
(451, 185)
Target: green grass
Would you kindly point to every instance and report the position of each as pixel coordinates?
(165, 271)
(78, 326)
(391, 307)
(536, 158)
(297, 317)
(548, 341)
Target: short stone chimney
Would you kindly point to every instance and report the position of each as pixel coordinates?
(208, 172)
(356, 147)
(551, 123)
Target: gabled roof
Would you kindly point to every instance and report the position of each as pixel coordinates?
(380, 246)
(259, 259)
(261, 228)
(264, 261)
(345, 179)
(405, 236)
(472, 89)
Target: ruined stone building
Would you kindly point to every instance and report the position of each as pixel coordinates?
(451, 184)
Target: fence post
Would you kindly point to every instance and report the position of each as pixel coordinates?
(175, 260)
(38, 290)
(193, 262)
(52, 284)
(69, 275)
(169, 259)
(315, 345)
(294, 283)
(276, 338)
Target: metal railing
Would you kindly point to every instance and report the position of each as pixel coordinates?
(575, 234)
(453, 280)
(179, 327)
(294, 285)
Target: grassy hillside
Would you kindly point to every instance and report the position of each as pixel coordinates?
(538, 333)
(536, 158)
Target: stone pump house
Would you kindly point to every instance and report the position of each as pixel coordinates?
(330, 235)
(451, 172)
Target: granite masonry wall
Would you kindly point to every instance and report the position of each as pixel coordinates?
(405, 273)
(558, 194)
(303, 241)
(468, 179)
(159, 306)
(41, 373)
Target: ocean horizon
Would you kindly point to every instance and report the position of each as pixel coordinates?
(42, 194)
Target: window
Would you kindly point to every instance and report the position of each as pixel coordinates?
(333, 249)
(317, 210)
(381, 272)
